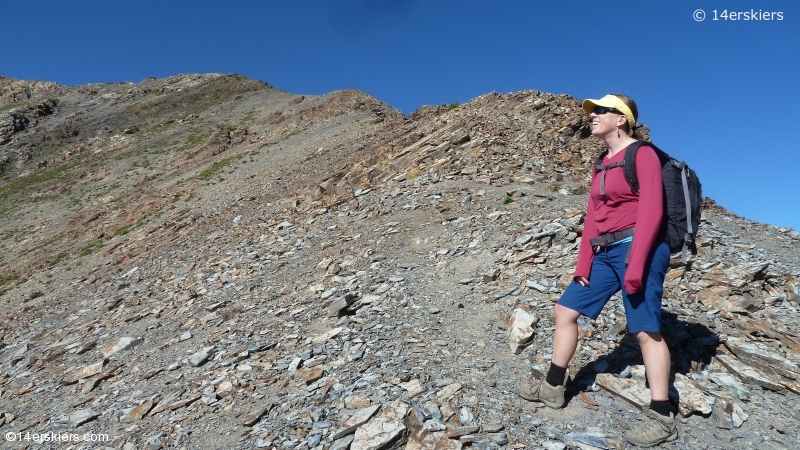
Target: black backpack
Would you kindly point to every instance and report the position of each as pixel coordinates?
(682, 196)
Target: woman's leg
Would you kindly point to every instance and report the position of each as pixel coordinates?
(550, 390)
(643, 311)
(565, 337)
(656, 363)
(644, 320)
(576, 300)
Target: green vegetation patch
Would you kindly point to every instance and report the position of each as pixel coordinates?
(10, 107)
(212, 170)
(98, 244)
(195, 138)
(141, 163)
(46, 243)
(33, 295)
(36, 178)
(91, 248)
(8, 278)
(6, 234)
(127, 228)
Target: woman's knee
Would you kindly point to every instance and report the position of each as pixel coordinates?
(644, 337)
(566, 315)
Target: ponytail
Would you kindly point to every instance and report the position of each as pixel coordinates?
(636, 133)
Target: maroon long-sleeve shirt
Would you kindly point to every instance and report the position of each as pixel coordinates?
(620, 208)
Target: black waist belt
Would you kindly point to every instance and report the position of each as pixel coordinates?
(608, 238)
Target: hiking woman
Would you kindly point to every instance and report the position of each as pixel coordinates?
(612, 257)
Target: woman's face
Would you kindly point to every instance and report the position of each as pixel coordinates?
(604, 122)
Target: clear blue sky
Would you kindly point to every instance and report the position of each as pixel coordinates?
(720, 94)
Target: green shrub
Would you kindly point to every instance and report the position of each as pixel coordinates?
(91, 248)
(5, 279)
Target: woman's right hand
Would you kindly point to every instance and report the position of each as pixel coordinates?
(582, 281)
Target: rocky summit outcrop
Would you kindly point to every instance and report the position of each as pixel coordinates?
(205, 261)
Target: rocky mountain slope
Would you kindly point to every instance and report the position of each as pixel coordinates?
(205, 261)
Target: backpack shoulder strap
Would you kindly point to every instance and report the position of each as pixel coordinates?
(598, 164)
(630, 161)
(630, 165)
(599, 167)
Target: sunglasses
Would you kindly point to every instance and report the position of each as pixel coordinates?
(602, 110)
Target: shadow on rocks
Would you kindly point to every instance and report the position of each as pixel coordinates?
(691, 345)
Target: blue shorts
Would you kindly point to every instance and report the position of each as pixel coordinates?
(642, 309)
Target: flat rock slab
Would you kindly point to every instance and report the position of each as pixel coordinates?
(382, 428)
(254, 416)
(455, 433)
(751, 374)
(357, 401)
(185, 402)
(448, 391)
(736, 388)
(309, 374)
(342, 444)
(692, 399)
(85, 372)
(199, 358)
(423, 439)
(793, 386)
(324, 337)
(413, 387)
(357, 419)
(336, 306)
(124, 343)
(224, 389)
(757, 355)
(632, 391)
(80, 417)
(164, 403)
(138, 412)
(495, 438)
(594, 440)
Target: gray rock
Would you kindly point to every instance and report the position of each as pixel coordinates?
(761, 376)
(494, 438)
(81, 417)
(355, 420)
(124, 343)
(465, 416)
(739, 390)
(520, 329)
(434, 425)
(721, 418)
(594, 439)
(343, 443)
(199, 358)
(382, 428)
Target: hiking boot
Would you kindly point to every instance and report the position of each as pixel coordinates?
(655, 430)
(541, 391)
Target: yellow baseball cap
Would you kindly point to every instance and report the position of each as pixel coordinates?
(610, 101)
